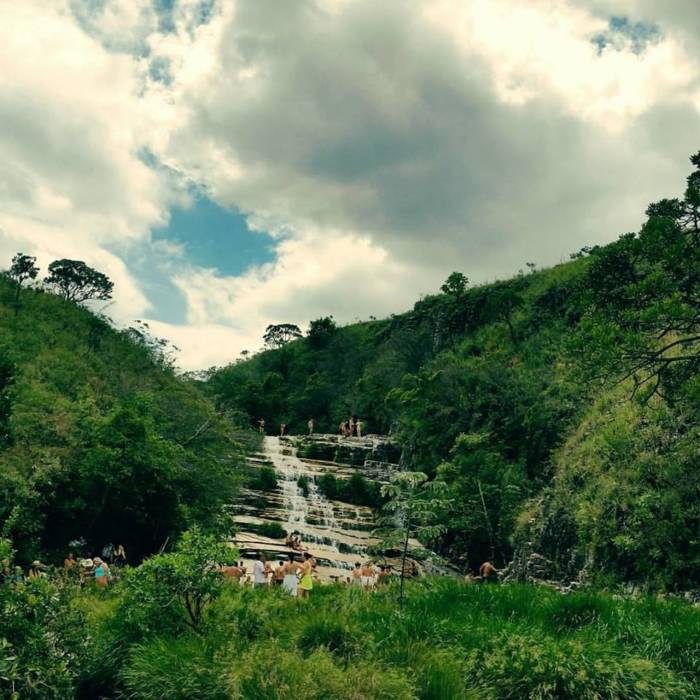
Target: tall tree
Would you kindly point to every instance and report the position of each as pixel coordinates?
(412, 510)
(75, 281)
(643, 316)
(23, 268)
(456, 284)
(280, 334)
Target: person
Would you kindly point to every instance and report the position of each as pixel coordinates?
(283, 429)
(367, 576)
(261, 425)
(358, 427)
(18, 576)
(100, 572)
(5, 572)
(384, 575)
(343, 429)
(357, 574)
(488, 572)
(37, 570)
(290, 582)
(86, 571)
(351, 427)
(107, 553)
(231, 572)
(306, 583)
(261, 569)
(278, 575)
(311, 425)
(120, 556)
(69, 562)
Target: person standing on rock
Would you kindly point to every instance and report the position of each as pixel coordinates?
(351, 427)
(311, 425)
(283, 429)
(261, 426)
(358, 427)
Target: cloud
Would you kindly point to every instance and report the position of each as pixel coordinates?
(73, 182)
(383, 145)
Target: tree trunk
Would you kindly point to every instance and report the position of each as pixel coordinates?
(403, 561)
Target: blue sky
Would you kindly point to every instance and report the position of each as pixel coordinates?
(215, 237)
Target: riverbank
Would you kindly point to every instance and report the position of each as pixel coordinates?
(451, 641)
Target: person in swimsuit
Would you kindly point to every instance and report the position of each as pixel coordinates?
(310, 426)
(278, 576)
(488, 572)
(290, 582)
(358, 427)
(120, 556)
(357, 574)
(283, 429)
(261, 425)
(367, 576)
(306, 583)
(101, 572)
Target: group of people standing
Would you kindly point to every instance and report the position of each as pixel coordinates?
(369, 576)
(351, 427)
(348, 428)
(295, 577)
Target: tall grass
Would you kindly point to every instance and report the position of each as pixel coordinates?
(451, 641)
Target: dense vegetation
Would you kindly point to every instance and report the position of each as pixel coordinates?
(99, 438)
(174, 628)
(560, 407)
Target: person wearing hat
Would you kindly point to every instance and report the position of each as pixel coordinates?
(37, 569)
(86, 569)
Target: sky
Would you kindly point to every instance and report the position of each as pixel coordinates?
(236, 163)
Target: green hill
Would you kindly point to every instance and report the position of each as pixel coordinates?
(560, 406)
(98, 437)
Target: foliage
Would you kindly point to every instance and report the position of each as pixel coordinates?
(321, 331)
(280, 334)
(451, 640)
(171, 590)
(75, 281)
(456, 284)
(98, 439)
(411, 510)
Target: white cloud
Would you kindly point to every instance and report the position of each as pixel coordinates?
(383, 144)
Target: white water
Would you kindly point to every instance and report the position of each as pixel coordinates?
(313, 515)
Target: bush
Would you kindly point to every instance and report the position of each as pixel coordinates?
(268, 529)
(264, 480)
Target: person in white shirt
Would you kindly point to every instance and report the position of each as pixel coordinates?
(261, 569)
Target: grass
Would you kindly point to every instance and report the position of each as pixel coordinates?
(452, 641)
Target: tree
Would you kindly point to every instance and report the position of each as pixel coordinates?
(23, 268)
(280, 334)
(169, 590)
(75, 281)
(456, 285)
(502, 303)
(321, 331)
(411, 511)
(642, 319)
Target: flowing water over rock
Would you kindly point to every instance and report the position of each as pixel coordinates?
(336, 533)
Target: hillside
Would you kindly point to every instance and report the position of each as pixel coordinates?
(560, 406)
(98, 437)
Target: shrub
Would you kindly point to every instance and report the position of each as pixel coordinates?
(264, 480)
